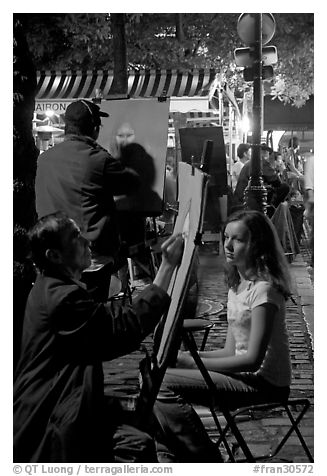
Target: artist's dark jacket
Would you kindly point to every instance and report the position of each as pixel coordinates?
(59, 407)
(79, 177)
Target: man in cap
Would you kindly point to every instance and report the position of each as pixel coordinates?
(80, 178)
(277, 190)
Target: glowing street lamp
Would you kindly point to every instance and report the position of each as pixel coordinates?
(245, 124)
(49, 113)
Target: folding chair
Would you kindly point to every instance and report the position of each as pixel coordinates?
(304, 405)
(230, 415)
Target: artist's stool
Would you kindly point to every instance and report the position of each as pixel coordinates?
(196, 325)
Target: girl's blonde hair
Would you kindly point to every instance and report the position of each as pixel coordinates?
(265, 259)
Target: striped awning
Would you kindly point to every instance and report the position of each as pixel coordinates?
(148, 83)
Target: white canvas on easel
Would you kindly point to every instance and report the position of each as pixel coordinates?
(191, 197)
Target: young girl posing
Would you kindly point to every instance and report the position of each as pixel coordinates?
(254, 365)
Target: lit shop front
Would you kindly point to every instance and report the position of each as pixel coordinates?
(48, 122)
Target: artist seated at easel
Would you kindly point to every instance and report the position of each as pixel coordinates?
(60, 414)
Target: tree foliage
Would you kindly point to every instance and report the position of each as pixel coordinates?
(69, 40)
(170, 40)
(294, 39)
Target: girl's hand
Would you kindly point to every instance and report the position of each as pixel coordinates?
(185, 361)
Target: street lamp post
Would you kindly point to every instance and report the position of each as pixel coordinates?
(255, 30)
(255, 194)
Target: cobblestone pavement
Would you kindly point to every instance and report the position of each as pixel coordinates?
(121, 375)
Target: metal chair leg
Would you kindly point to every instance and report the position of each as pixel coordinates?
(205, 338)
(294, 427)
(197, 325)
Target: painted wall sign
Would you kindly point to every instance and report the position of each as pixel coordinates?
(59, 107)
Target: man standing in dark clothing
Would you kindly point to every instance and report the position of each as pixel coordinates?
(80, 178)
(60, 413)
(243, 155)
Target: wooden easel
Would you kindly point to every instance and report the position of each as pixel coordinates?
(191, 198)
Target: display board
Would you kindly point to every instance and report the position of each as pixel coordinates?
(192, 143)
(192, 140)
(143, 122)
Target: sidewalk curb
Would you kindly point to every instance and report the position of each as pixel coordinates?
(304, 292)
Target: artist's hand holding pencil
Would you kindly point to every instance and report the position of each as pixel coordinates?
(172, 249)
(172, 252)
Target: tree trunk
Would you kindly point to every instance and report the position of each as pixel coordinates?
(25, 155)
(120, 81)
(179, 27)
